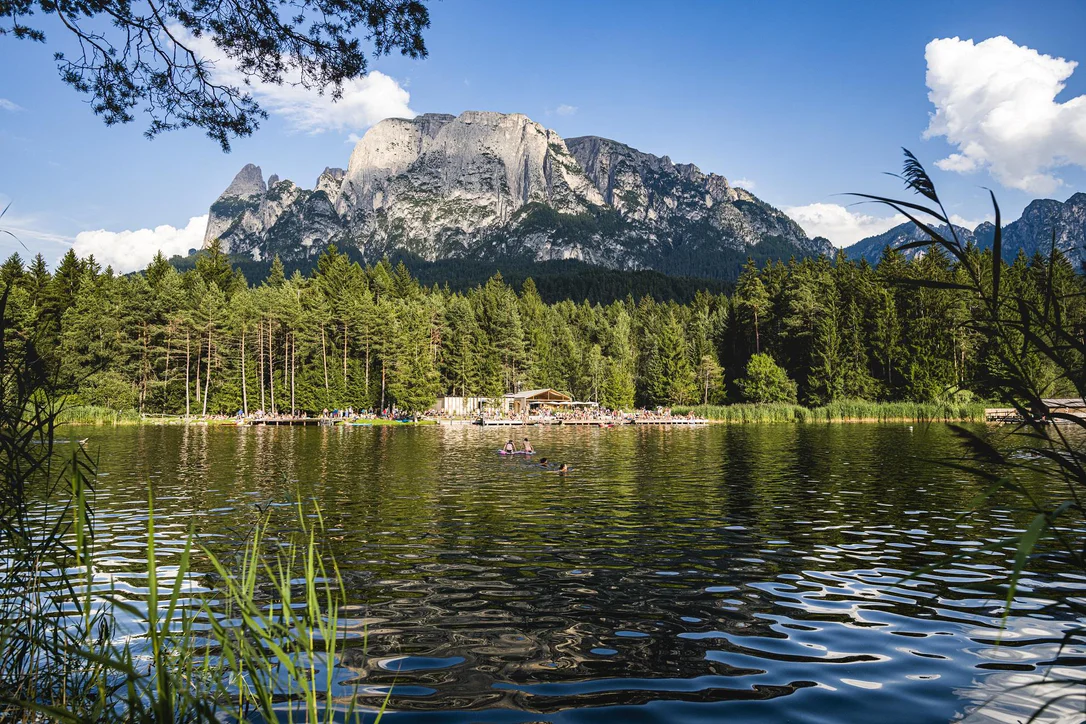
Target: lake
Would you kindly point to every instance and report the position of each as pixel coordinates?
(741, 573)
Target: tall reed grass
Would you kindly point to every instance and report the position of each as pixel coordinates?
(96, 415)
(841, 411)
(260, 644)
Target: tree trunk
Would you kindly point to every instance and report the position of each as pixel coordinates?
(286, 368)
(188, 365)
(271, 366)
(382, 386)
(244, 390)
(199, 359)
(166, 378)
(757, 338)
(293, 350)
(367, 370)
(345, 357)
(207, 386)
(324, 358)
(143, 367)
(260, 345)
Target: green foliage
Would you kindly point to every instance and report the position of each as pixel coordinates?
(841, 411)
(202, 341)
(766, 381)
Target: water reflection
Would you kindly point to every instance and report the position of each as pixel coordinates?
(674, 575)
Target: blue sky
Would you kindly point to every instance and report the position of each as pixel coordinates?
(799, 101)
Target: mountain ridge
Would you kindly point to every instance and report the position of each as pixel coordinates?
(1031, 233)
(485, 185)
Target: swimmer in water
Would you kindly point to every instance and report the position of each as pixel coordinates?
(563, 468)
(543, 463)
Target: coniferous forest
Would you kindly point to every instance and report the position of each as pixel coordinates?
(209, 341)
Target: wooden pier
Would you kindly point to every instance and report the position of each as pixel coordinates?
(593, 422)
(670, 421)
(1002, 415)
(289, 421)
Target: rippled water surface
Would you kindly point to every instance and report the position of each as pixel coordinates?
(739, 573)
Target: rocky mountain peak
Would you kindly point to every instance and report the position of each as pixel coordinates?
(483, 184)
(249, 182)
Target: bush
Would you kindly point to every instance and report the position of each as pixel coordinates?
(766, 381)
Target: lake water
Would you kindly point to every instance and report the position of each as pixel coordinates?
(740, 573)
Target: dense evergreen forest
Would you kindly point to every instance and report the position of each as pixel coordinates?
(206, 340)
(555, 280)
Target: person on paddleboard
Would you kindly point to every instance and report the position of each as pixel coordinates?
(510, 448)
(528, 449)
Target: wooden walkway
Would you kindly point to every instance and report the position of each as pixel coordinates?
(595, 422)
(289, 421)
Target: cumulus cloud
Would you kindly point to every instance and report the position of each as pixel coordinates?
(996, 102)
(959, 220)
(838, 224)
(565, 110)
(6, 105)
(744, 183)
(364, 102)
(129, 251)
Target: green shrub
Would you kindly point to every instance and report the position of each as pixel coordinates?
(766, 381)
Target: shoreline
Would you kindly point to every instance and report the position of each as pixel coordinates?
(746, 416)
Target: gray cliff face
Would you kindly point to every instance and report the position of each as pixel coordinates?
(1030, 234)
(486, 185)
(243, 194)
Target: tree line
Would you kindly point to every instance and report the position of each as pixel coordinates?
(206, 341)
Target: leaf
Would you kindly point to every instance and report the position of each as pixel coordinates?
(917, 178)
(997, 251)
(932, 284)
(1026, 543)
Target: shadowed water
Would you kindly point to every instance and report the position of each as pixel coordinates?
(674, 575)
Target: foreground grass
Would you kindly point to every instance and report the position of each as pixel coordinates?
(841, 411)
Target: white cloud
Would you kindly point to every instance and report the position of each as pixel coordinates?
(364, 102)
(565, 110)
(6, 105)
(970, 224)
(996, 102)
(129, 251)
(744, 183)
(838, 224)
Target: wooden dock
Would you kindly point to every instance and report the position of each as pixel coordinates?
(1002, 415)
(594, 422)
(670, 421)
(289, 421)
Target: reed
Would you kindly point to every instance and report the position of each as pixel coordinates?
(96, 415)
(840, 411)
(260, 645)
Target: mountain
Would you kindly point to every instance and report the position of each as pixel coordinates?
(871, 247)
(1031, 233)
(491, 186)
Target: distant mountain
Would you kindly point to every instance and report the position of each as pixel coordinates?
(491, 186)
(871, 247)
(1030, 233)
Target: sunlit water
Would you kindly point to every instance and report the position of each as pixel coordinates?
(740, 573)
